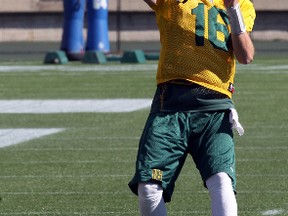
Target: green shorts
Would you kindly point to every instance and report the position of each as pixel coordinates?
(170, 135)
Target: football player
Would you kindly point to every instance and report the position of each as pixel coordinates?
(192, 111)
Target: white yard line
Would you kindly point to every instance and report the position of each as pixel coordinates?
(65, 176)
(68, 162)
(273, 212)
(67, 193)
(109, 176)
(73, 106)
(115, 161)
(14, 136)
(264, 68)
(126, 67)
(76, 149)
(67, 68)
(70, 213)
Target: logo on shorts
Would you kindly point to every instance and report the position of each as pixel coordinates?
(157, 174)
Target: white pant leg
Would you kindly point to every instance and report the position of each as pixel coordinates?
(223, 200)
(151, 202)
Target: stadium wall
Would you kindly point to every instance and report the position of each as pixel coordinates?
(129, 20)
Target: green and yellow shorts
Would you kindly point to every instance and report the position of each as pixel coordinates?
(168, 138)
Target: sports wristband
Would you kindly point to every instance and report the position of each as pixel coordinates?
(236, 20)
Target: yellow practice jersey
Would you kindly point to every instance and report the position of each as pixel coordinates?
(196, 42)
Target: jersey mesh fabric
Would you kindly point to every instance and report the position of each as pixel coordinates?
(196, 43)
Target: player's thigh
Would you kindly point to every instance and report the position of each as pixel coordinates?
(163, 149)
(213, 150)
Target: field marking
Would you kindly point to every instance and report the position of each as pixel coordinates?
(66, 176)
(14, 136)
(66, 68)
(123, 176)
(71, 213)
(104, 161)
(73, 106)
(263, 160)
(127, 67)
(92, 193)
(127, 148)
(68, 193)
(273, 212)
(264, 68)
(111, 213)
(262, 148)
(76, 149)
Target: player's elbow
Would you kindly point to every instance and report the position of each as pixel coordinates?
(246, 60)
(246, 57)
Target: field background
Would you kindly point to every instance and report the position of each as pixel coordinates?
(84, 170)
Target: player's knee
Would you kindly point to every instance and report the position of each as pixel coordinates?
(219, 181)
(150, 200)
(150, 191)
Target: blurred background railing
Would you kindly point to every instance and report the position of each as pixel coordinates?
(130, 21)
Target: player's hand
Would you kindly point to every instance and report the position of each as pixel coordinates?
(230, 3)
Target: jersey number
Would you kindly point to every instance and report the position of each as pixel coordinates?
(213, 27)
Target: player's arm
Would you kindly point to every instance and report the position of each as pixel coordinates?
(151, 3)
(242, 44)
(243, 48)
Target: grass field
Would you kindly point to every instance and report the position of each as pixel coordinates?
(84, 168)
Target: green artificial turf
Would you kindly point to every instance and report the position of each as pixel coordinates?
(84, 170)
